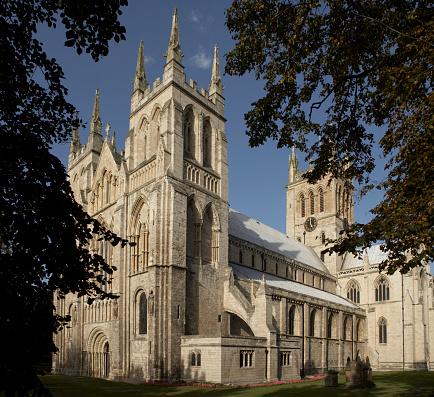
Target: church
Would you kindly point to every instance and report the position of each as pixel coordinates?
(207, 293)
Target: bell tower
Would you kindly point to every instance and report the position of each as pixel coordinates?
(318, 212)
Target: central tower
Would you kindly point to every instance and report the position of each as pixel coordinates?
(317, 212)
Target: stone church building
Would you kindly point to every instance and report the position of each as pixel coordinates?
(208, 293)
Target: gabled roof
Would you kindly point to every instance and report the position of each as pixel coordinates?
(248, 229)
(247, 273)
(375, 256)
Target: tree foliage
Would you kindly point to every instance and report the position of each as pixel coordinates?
(44, 233)
(359, 63)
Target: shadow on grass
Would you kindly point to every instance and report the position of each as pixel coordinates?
(388, 384)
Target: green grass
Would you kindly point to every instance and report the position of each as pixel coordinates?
(407, 383)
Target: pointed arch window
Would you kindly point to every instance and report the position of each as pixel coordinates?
(382, 290)
(291, 320)
(330, 326)
(189, 138)
(312, 323)
(382, 330)
(353, 291)
(207, 144)
(312, 203)
(143, 314)
(321, 200)
(303, 206)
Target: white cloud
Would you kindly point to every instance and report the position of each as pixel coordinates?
(195, 16)
(149, 59)
(201, 60)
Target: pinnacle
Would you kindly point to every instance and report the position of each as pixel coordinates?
(216, 82)
(140, 82)
(174, 50)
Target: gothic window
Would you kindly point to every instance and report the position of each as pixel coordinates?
(246, 358)
(291, 321)
(294, 274)
(312, 203)
(207, 144)
(303, 206)
(210, 236)
(353, 291)
(264, 267)
(382, 290)
(323, 238)
(358, 335)
(312, 323)
(240, 257)
(382, 330)
(321, 200)
(330, 325)
(189, 138)
(194, 233)
(143, 314)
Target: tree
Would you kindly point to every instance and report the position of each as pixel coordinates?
(44, 233)
(363, 63)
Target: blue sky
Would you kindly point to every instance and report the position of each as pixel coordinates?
(257, 177)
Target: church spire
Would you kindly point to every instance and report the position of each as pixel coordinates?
(293, 166)
(95, 121)
(94, 141)
(140, 82)
(174, 51)
(216, 85)
(75, 145)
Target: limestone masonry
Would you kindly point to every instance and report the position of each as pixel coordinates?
(208, 293)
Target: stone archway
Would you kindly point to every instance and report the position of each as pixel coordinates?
(98, 355)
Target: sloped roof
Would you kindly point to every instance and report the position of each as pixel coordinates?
(248, 229)
(247, 273)
(375, 256)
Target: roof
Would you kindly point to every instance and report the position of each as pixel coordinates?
(248, 273)
(248, 229)
(375, 256)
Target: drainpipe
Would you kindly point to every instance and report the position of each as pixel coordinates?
(302, 345)
(403, 328)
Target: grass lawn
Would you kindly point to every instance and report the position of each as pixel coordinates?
(409, 383)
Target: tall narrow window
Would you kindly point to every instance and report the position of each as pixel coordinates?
(291, 320)
(253, 260)
(330, 326)
(143, 314)
(312, 203)
(240, 257)
(382, 290)
(353, 291)
(312, 323)
(207, 135)
(323, 238)
(382, 330)
(321, 200)
(303, 206)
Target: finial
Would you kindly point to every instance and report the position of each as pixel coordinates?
(75, 144)
(107, 129)
(174, 50)
(216, 85)
(140, 82)
(114, 140)
(95, 121)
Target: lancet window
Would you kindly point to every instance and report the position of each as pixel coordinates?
(321, 200)
(143, 314)
(312, 203)
(189, 137)
(382, 330)
(353, 291)
(302, 206)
